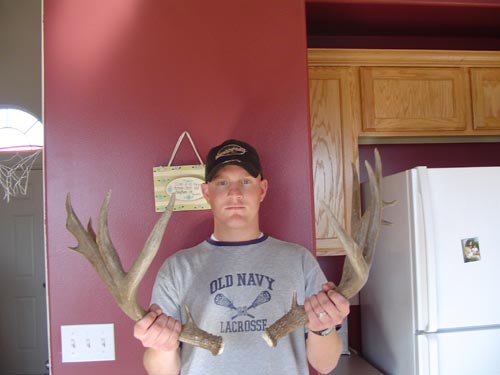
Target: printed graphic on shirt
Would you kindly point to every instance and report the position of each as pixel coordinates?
(243, 318)
(222, 300)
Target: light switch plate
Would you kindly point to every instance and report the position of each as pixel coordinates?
(88, 342)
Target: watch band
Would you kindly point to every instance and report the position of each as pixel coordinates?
(327, 331)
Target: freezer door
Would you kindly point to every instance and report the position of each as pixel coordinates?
(461, 282)
(459, 353)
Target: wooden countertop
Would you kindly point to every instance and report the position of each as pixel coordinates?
(354, 365)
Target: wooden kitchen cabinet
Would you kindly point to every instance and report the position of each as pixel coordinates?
(372, 95)
(486, 98)
(405, 99)
(335, 116)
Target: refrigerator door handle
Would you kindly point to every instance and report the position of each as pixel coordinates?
(428, 357)
(430, 249)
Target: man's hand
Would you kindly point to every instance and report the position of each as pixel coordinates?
(157, 330)
(326, 308)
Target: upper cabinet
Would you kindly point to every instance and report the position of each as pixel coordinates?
(334, 108)
(412, 100)
(422, 93)
(389, 94)
(486, 98)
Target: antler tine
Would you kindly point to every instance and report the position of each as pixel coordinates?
(87, 245)
(123, 286)
(359, 247)
(356, 203)
(359, 258)
(373, 214)
(378, 166)
(193, 335)
(294, 318)
(148, 253)
(355, 267)
(108, 252)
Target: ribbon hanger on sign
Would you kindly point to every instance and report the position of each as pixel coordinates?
(183, 180)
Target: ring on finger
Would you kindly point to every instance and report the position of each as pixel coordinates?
(321, 314)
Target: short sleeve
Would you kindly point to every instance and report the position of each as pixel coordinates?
(165, 293)
(315, 277)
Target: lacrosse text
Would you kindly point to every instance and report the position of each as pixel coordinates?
(234, 326)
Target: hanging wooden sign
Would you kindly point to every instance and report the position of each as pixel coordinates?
(184, 181)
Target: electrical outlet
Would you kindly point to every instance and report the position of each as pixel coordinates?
(88, 342)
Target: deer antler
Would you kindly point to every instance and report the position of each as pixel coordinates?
(359, 250)
(123, 286)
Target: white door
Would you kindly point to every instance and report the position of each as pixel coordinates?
(23, 315)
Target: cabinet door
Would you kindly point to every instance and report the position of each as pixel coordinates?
(486, 98)
(404, 99)
(335, 118)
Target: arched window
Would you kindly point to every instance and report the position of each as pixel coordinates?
(21, 141)
(19, 131)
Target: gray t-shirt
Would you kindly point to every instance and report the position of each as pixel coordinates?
(236, 290)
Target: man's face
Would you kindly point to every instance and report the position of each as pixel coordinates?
(235, 197)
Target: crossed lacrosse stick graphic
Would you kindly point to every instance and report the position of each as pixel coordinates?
(263, 297)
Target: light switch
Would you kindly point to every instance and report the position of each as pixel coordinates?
(88, 342)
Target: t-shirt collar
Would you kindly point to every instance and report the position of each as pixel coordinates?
(214, 241)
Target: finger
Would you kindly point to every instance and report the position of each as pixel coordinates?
(325, 303)
(172, 332)
(340, 302)
(311, 314)
(153, 334)
(142, 326)
(330, 285)
(174, 327)
(334, 314)
(319, 315)
(157, 309)
(335, 305)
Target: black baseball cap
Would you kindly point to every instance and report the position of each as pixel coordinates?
(234, 152)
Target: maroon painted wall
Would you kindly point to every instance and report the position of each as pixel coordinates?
(406, 24)
(399, 157)
(123, 79)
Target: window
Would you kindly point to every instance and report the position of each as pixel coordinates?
(19, 131)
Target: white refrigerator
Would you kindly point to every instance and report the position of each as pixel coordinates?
(432, 301)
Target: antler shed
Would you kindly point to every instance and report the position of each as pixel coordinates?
(359, 248)
(123, 286)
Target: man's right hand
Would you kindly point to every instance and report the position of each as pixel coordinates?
(157, 330)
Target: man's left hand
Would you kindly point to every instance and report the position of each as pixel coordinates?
(326, 308)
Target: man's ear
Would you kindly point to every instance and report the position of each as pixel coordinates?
(263, 186)
(204, 190)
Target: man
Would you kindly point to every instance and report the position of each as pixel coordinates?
(239, 282)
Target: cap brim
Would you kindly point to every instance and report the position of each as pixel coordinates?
(246, 166)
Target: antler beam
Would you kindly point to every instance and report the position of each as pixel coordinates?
(123, 286)
(359, 250)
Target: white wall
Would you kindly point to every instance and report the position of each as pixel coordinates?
(21, 55)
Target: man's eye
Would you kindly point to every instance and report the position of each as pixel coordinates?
(246, 181)
(221, 183)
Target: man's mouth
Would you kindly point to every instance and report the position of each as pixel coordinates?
(235, 207)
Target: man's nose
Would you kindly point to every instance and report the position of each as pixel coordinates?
(235, 189)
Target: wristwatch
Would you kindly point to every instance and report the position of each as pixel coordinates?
(327, 331)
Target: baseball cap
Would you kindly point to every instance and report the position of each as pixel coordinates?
(234, 152)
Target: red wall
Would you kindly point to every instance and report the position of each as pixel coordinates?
(123, 79)
(399, 157)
